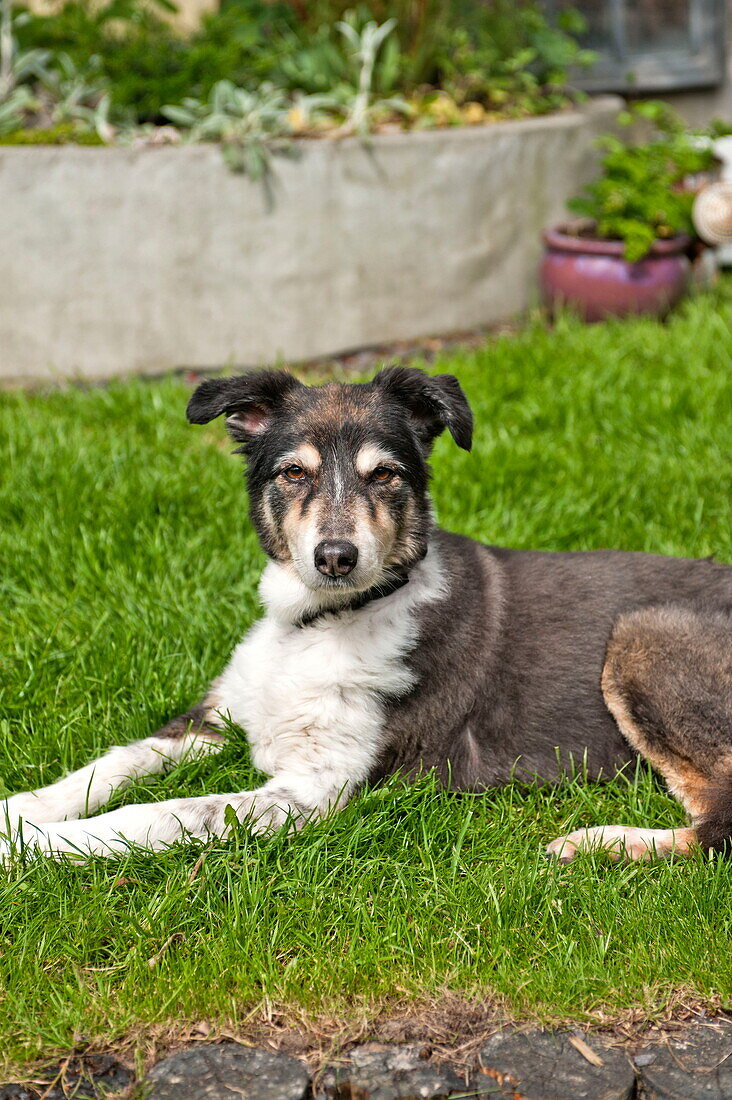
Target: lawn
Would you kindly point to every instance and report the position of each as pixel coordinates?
(129, 570)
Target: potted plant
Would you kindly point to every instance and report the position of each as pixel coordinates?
(629, 251)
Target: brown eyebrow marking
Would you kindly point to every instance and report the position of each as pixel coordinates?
(304, 455)
(371, 456)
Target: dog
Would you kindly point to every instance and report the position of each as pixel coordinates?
(388, 645)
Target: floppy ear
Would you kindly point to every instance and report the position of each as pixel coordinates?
(250, 401)
(434, 403)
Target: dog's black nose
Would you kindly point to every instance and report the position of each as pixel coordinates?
(335, 557)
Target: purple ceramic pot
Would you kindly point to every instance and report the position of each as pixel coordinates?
(593, 277)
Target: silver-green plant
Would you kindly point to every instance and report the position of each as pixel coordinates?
(37, 85)
(72, 93)
(97, 117)
(7, 49)
(14, 109)
(362, 106)
(17, 67)
(251, 126)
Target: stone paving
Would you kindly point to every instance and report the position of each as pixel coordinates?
(514, 1064)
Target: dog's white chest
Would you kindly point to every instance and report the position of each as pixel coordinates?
(316, 692)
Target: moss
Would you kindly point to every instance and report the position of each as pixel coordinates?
(63, 134)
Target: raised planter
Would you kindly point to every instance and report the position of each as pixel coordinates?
(594, 278)
(116, 260)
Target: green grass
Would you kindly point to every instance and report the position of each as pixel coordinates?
(129, 570)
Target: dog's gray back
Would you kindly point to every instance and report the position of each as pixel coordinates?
(509, 662)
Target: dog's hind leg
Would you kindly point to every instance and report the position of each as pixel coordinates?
(667, 680)
(84, 791)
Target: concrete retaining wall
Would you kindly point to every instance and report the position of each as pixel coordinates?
(119, 260)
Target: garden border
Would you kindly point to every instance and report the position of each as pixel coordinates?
(120, 260)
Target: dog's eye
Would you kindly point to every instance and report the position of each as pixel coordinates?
(382, 474)
(294, 473)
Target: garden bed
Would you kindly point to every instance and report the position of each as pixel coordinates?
(121, 259)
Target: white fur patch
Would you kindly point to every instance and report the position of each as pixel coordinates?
(339, 484)
(310, 698)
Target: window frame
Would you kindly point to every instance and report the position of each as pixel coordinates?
(700, 65)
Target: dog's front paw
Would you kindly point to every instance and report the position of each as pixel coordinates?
(266, 813)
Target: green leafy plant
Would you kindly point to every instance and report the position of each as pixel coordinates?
(503, 54)
(321, 62)
(147, 63)
(506, 55)
(113, 66)
(69, 93)
(43, 90)
(351, 70)
(406, 61)
(251, 126)
(639, 196)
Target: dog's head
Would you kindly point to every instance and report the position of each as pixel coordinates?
(338, 473)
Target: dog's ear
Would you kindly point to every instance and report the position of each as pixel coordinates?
(433, 402)
(250, 401)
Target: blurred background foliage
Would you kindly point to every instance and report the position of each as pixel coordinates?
(502, 55)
